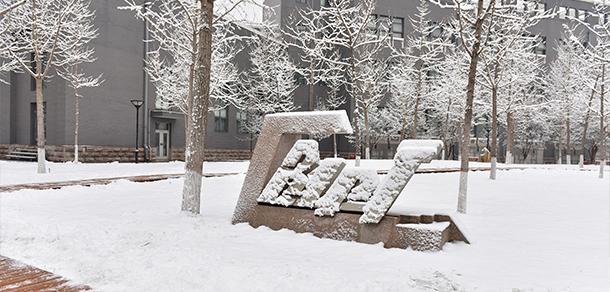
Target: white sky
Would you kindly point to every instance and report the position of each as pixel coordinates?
(249, 10)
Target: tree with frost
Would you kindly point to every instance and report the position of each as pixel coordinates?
(450, 94)
(78, 79)
(334, 80)
(566, 90)
(424, 46)
(472, 22)
(271, 74)
(8, 6)
(519, 95)
(508, 41)
(184, 31)
(601, 52)
(374, 86)
(351, 27)
(170, 73)
(401, 80)
(589, 75)
(531, 130)
(38, 36)
(304, 31)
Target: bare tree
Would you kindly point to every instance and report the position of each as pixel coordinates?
(473, 22)
(402, 81)
(352, 28)
(271, 81)
(37, 36)
(450, 96)
(509, 42)
(601, 31)
(8, 7)
(77, 80)
(425, 46)
(183, 29)
(304, 32)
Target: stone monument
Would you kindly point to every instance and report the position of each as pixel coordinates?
(288, 186)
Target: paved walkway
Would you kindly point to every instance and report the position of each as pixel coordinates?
(156, 177)
(99, 181)
(19, 277)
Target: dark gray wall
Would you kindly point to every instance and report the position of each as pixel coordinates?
(106, 114)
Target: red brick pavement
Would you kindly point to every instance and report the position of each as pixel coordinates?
(19, 277)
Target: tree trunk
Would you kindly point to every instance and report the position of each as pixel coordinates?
(494, 128)
(416, 109)
(602, 129)
(191, 196)
(76, 121)
(568, 148)
(581, 160)
(354, 87)
(40, 134)
(335, 145)
(465, 143)
(311, 86)
(367, 138)
(510, 138)
(559, 141)
(445, 130)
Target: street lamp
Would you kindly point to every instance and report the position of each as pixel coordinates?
(137, 103)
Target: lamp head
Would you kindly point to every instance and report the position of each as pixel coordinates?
(137, 102)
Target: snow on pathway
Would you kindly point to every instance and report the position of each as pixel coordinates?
(534, 230)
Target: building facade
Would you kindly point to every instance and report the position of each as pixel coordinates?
(108, 119)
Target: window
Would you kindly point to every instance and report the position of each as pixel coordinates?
(241, 118)
(301, 1)
(383, 24)
(221, 123)
(386, 25)
(397, 27)
(299, 79)
(562, 12)
(371, 27)
(435, 33)
(582, 14)
(325, 3)
(572, 12)
(540, 48)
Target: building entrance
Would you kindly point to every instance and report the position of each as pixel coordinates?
(162, 140)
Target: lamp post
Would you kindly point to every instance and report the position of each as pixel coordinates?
(137, 103)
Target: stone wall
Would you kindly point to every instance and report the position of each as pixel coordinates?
(214, 154)
(330, 154)
(99, 154)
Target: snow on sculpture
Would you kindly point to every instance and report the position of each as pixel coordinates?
(303, 180)
(353, 184)
(278, 133)
(410, 154)
(288, 182)
(320, 181)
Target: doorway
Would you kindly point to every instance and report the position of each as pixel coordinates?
(162, 141)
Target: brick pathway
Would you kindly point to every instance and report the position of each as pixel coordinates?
(18, 277)
(99, 181)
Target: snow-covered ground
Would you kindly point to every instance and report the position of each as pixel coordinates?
(545, 228)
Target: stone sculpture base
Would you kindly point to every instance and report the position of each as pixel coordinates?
(420, 232)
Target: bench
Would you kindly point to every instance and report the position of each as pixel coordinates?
(23, 154)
